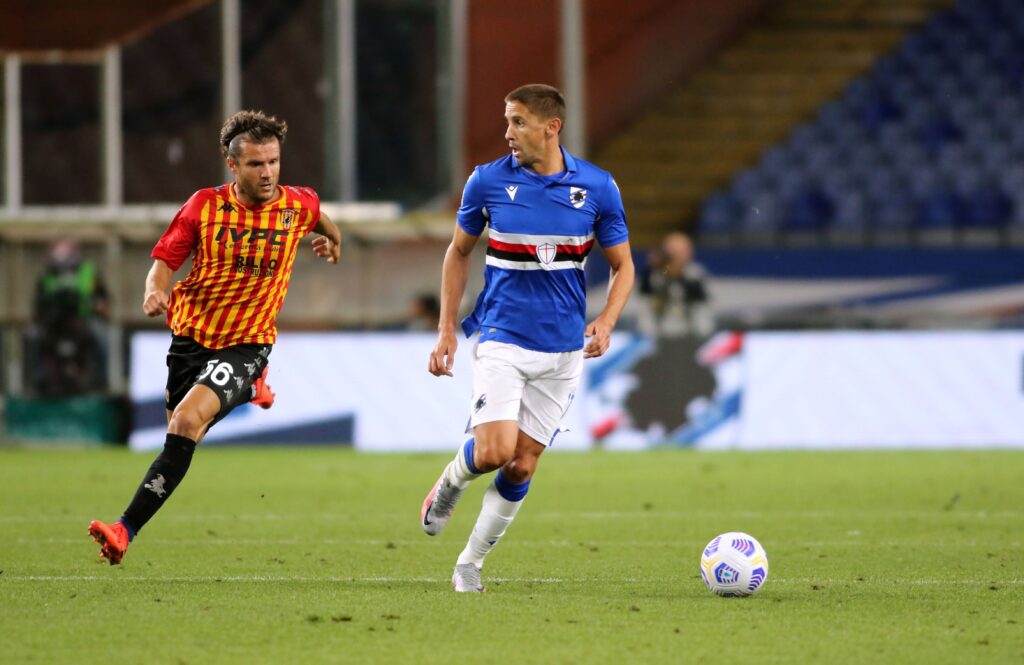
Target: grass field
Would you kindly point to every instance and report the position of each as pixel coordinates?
(302, 555)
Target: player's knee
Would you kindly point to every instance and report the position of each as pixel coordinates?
(490, 457)
(520, 468)
(186, 422)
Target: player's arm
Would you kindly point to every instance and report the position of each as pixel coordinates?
(158, 281)
(623, 273)
(454, 275)
(327, 245)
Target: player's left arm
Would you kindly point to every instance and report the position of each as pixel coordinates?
(327, 245)
(623, 273)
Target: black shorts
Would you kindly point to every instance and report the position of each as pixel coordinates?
(229, 372)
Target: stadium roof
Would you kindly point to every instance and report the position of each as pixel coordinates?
(52, 28)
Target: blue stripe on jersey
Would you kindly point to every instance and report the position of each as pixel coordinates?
(538, 309)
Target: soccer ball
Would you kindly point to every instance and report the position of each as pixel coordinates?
(734, 564)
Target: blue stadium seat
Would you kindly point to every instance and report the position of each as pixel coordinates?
(809, 209)
(897, 211)
(989, 207)
(720, 213)
(942, 208)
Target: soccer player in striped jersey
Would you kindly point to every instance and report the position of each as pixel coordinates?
(242, 237)
(545, 209)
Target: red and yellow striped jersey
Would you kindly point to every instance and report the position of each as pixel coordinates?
(241, 263)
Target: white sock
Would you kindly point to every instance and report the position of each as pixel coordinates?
(496, 514)
(461, 472)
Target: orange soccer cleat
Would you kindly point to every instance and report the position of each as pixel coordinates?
(112, 539)
(262, 395)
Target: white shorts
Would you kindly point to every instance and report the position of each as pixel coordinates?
(531, 387)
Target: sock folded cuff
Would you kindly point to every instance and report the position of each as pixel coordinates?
(467, 455)
(180, 442)
(508, 490)
(128, 528)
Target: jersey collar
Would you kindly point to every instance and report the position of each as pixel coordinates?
(269, 204)
(570, 161)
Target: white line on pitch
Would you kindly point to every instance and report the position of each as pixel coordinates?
(858, 515)
(116, 577)
(384, 542)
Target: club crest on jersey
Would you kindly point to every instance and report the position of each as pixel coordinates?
(577, 197)
(287, 217)
(546, 253)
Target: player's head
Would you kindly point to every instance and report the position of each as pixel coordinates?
(251, 144)
(534, 114)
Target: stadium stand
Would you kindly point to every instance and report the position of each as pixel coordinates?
(924, 148)
(777, 74)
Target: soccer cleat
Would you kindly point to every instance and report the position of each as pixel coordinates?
(112, 539)
(439, 504)
(466, 579)
(262, 395)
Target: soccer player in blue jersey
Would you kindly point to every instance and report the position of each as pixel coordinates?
(545, 209)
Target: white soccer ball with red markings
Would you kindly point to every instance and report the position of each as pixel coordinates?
(734, 564)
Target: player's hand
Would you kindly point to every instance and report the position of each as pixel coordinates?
(599, 333)
(326, 248)
(155, 303)
(442, 358)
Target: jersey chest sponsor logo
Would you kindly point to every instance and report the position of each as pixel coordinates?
(231, 236)
(247, 265)
(512, 189)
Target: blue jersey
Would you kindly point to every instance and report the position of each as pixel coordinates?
(541, 230)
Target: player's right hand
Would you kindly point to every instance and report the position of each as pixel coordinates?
(442, 358)
(155, 303)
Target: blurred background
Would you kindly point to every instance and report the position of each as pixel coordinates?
(825, 201)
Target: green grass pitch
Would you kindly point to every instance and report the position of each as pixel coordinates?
(316, 555)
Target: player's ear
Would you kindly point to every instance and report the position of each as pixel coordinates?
(555, 126)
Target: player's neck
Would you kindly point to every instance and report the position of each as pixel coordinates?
(249, 203)
(552, 162)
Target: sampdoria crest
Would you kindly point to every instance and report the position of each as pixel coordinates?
(546, 253)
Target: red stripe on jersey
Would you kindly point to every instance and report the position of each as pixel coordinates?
(580, 250)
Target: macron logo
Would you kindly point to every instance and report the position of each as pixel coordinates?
(512, 189)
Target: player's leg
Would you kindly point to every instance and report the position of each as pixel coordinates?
(194, 404)
(188, 422)
(545, 399)
(502, 500)
(497, 388)
(474, 458)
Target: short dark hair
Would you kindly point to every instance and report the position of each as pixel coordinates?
(254, 126)
(541, 100)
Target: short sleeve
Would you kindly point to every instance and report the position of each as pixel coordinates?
(312, 203)
(472, 215)
(610, 227)
(181, 237)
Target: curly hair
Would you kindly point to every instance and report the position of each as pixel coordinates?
(253, 126)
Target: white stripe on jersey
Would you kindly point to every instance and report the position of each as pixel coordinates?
(527, 239)
(534, 265)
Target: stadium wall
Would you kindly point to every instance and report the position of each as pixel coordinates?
(822, 390)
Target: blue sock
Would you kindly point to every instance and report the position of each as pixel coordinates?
(510, 491)
(467, 455)
(462, 470)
